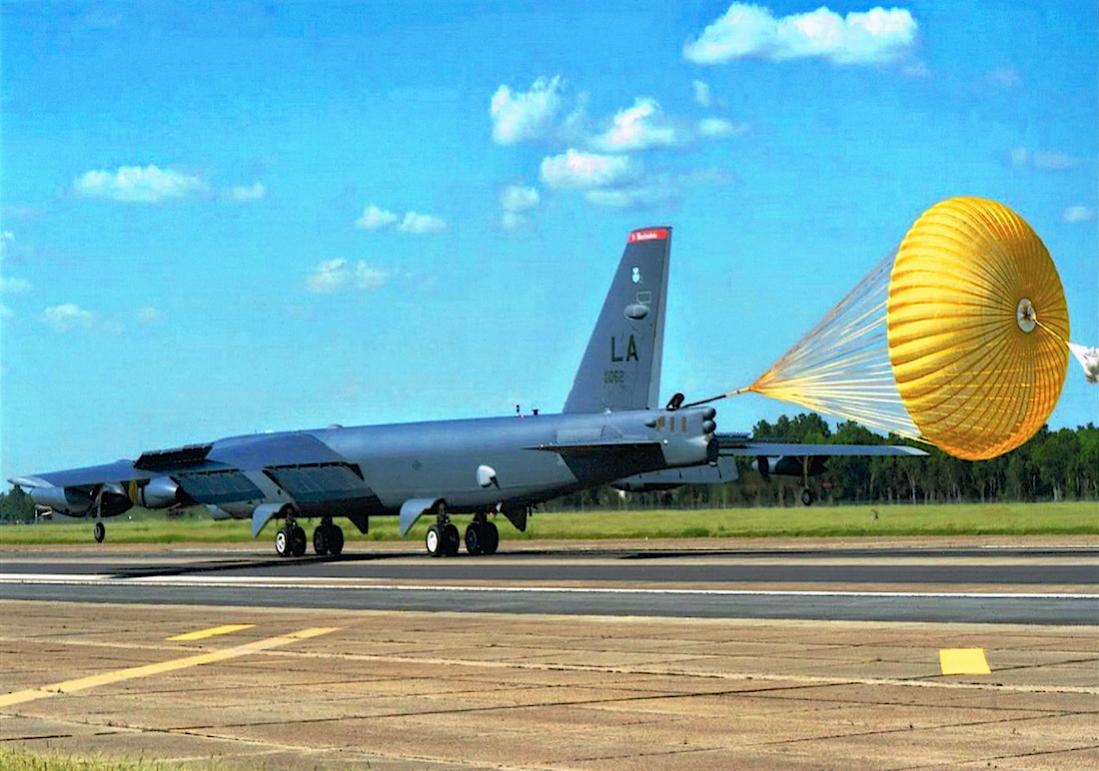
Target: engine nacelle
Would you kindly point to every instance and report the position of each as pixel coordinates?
(159, 493)
(71, 502)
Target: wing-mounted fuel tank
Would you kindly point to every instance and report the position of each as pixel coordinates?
(790, 466)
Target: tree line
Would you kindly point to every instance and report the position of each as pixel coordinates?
(1052, 466)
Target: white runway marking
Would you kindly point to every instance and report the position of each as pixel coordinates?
(256, 582)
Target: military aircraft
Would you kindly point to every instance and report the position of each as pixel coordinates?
(611, 431)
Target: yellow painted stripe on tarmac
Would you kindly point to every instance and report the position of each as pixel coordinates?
(213, 631)
(963, 661)
(146, 670)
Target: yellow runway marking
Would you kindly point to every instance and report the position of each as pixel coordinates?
(146, 670)
(213, 631)
(963, 661)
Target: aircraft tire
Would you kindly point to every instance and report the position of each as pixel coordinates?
(321, 537)
(297, 541)
(99, 531)
(451, 540)
(335, 540)
(434, 541)
(490, 538)
(807, 497)
(474, 538)
(282, 542)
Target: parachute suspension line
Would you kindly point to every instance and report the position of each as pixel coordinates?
(841, 366)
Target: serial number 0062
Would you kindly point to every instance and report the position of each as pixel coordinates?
(614, 376)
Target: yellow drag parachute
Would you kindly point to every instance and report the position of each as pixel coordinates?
(958, 339)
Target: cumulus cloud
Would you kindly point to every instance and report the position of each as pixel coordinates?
(1077, 214)
(580, 170)
(148, 315)
(9, 285)
(418, 224)
(877, 35)
(515, 200)
(1042, 160)
(375, 218)
(67, 316)
(334, 275)
(637, 128)
(5, 312)
(701, 92)
(718, 128)
(631, 197)
(248, 193)
(138, 184)
(521, 115)
(518, 198)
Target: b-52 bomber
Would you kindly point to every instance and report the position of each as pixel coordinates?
(611, 431)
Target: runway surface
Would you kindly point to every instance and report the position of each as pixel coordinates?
(1006, 585)
(569, 656)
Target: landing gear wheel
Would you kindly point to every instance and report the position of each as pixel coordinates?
(99, 531)
(282, 543)
(452, 541)
(320, 540)
(490, 538)
(297, 541)
(807, 497)
(434, 541)
(474, 538)
(335, 540)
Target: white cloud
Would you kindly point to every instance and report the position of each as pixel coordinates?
(148, 315)
(140, 184)
(1077, 214)
(8, 236)
(5, 312)
(375, 218)
(10, 285)
(1042, 160)
(717, 128)
(517, 198)
(333, 275)
(419, 224)
(248, 193)
(521, 115)
(68, 316)
(873, 36)
(575, 169)
(631, 197)
(702, 92)
(637, 128)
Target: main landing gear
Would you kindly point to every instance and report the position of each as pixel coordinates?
(807, 497)
(482, 537)
(442, 539)
(290, 539)
(327, 538)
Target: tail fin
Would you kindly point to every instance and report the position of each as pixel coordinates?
(621, 366)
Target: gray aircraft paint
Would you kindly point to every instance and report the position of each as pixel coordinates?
(621, 365)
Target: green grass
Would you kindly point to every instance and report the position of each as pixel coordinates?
(820, 521)
(16, 759)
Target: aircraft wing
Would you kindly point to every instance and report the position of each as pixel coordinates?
(742, 444)
(301, 465)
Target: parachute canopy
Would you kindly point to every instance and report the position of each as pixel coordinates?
(959, 338)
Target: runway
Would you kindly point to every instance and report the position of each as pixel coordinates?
(557, 656)
(979, 585)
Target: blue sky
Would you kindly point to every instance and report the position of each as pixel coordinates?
(266, 217)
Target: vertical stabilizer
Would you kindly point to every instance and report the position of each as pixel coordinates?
(621, 366)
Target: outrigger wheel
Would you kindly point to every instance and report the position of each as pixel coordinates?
(99, 531)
